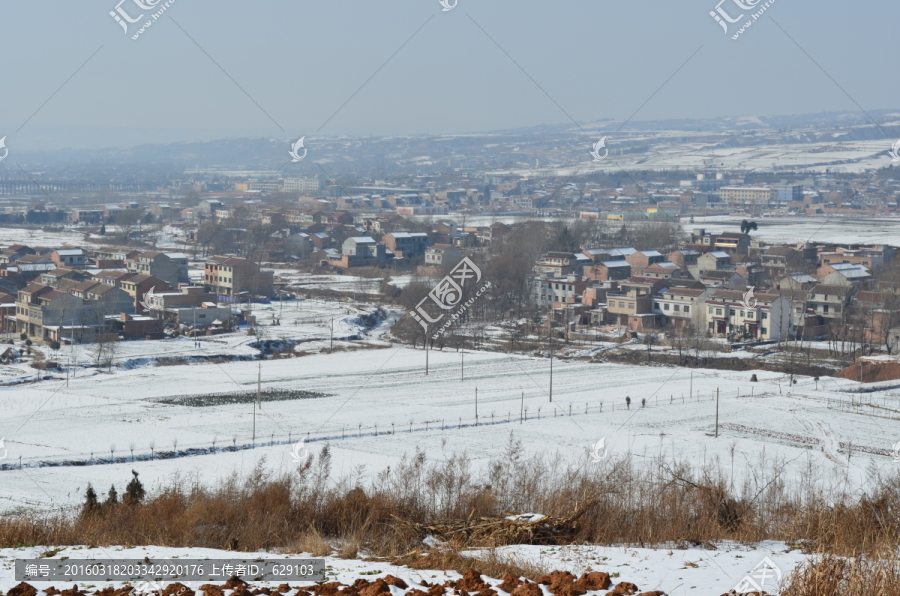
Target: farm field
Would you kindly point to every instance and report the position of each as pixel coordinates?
(374, 406)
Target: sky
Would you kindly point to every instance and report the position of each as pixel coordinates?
(71, 77)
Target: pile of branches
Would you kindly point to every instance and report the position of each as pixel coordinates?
(503, 530)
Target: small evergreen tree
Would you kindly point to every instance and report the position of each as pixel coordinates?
(103, 230)
(134, 492)
(112, 497)
(90, 500)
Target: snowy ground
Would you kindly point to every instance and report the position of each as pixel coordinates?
(385, 388)
(821, 228)
(677, 572)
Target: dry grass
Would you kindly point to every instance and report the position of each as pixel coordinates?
(833, 576)
(625, 500)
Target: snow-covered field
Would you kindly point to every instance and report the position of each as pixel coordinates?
(101, 416)
(820, 228)
(676, 572)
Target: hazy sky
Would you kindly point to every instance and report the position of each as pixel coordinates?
(300, 60)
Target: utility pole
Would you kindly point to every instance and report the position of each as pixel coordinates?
(258, 395)
(551, 377)
(331, 348)
(476, 405)
(522, 408)
(426, 356)
(717, 412)
(462, 374)
(691, 392)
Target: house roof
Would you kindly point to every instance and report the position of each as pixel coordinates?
(409, 234)
(85, 285)
(737, 296)
(684, 292)
(782, 251)
(717, 274)
(651, 253)
(803, 278)
(362, 239)
(830, 289)
(688, 252)
(720, 254)
(615, 264)
(69, 252)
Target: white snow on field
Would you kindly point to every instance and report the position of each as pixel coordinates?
(677, 572)
(385, 390)
(818, 228)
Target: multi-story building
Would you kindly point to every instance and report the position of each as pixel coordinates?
(547, 290)
(739, 316)
(302, 185)
(232, 277)
(632, 305)
(171, 267)
(609, 270)
(641, 259)
(556, 264)
(681, 307)
(754, 195)
(407, 245)
(69, 256)
(139, 286)
(439, 254)
(50, 314)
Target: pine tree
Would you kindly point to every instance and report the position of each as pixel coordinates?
(112, 497)
(90, 500)
(134, 492)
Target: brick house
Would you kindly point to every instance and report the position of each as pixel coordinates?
(233, 276)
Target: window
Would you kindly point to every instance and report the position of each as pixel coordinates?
(730, 312)
(621, 305)
(710, 310)
(631, 305)
(719, 311)
(677, 308)
(826, 308)
(763, 330)
(751, 314)
(687, 309)
(710, 325)
(665, 307)
(764, 316)
(742, 313)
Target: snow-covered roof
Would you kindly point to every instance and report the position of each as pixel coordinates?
(720, 254)
(616, 264)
